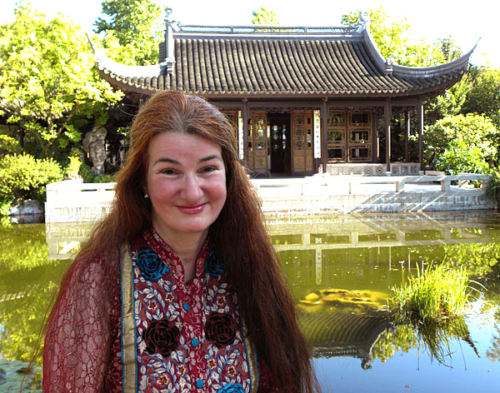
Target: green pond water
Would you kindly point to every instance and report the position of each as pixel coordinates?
(341, 269)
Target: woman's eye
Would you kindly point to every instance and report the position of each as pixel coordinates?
(168, 171)
(209, 169)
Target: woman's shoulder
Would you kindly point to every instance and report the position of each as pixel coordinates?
(92, 275)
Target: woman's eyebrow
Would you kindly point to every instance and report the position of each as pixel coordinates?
(208, 158)
(166, 159)
(172, 161)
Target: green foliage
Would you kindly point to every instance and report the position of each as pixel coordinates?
(449, 49)
(75, 162)
(493, 189)
(89, 176)
(23, 177)
(393, 40)
(9, 145)
(462, 143)
(484, 96)
(263, 16)
(435, 292)
(48, 79)
(132, 30)
(449, 103)
(5, 207)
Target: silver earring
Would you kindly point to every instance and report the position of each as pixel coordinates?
(146, 196)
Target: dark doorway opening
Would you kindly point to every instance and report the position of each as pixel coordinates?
(279, 126)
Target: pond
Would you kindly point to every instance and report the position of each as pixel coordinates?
(341, 269)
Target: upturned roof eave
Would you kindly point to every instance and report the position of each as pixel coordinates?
(387, 67)
(423, 93)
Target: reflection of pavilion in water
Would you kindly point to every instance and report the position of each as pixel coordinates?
(387, 238)
(341, 334)
(317, 236)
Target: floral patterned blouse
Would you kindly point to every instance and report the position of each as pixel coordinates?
(154, 332)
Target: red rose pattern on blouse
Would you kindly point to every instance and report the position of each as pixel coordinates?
(83, 341)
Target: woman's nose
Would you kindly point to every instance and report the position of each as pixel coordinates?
(191, 191)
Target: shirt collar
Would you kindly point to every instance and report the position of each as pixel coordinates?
(171, 259)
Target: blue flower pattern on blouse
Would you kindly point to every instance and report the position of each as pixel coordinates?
(151, 265)
(230, 388)
(213, 265)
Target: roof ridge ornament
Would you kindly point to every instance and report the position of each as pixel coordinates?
(169, 61)
(364, 21)
(389, 63)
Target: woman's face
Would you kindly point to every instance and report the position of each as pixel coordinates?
(186, 182)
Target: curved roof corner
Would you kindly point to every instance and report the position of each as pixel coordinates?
(104, 63)
(387, 66)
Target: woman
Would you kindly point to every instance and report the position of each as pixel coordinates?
(178, 288)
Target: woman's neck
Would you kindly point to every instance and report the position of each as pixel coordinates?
(186, 246)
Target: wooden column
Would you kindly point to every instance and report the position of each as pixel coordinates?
(420, 116)
(324, 141)
(388, 116)
(245, 115)
(407, 136)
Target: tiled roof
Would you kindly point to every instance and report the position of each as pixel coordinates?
(337, 333)
(343, 63)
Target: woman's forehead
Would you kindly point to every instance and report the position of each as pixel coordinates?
(181, 147)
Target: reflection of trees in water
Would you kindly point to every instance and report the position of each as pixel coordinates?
(481, 261)
(23, 247)
(493, 352)
(492, 305)
(28, 281)
(477, 258)
(435, 338)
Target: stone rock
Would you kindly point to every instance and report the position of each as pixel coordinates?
(94, 145)
(27, 207)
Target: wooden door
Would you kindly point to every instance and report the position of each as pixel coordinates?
(279, 126)
(302, 142)
(257, 143)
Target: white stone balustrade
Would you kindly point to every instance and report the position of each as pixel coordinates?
(74, 201)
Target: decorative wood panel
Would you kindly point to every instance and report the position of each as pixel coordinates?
(360, 136)
(337, 129)
(350, 136)
(302, 142)
(233, 119)
(257, 142)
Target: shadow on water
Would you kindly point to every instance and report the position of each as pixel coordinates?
(340, 269)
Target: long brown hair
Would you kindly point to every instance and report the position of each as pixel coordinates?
(238, 235)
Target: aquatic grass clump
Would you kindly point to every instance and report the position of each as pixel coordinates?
(433, 294)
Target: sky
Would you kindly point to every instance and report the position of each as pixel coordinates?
(430, 19)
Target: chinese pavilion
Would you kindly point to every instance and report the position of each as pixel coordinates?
(302, 100)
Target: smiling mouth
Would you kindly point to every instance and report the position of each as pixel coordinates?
(192, 209)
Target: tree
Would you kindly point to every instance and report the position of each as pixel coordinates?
(484, 96)
(132, 30)
(449, 103)
(462, 143)
(450, 50)
(263, 16)
(48, 82)
(393, 41)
